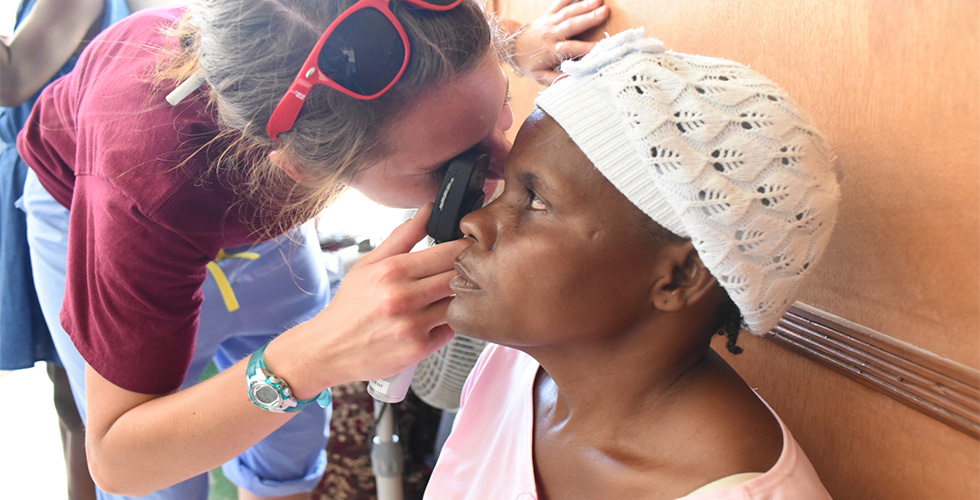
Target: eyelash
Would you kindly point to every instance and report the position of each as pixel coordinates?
(438, 173)
(533, 197)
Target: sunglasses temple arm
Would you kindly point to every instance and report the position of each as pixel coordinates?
(285, 114)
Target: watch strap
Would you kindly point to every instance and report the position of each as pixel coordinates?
(256, 370)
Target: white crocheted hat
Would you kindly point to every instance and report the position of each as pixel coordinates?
(712, 151)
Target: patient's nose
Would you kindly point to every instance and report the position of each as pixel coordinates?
(478, 226)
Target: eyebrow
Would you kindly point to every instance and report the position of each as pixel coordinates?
(534, 182)
(528, 179)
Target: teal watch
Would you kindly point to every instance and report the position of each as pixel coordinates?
(272, 393)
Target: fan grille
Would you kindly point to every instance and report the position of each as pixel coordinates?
(439, 378)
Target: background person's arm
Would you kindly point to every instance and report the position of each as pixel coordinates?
(50, 34)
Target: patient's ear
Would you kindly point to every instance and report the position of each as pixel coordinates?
(682, 278)
(283, 161)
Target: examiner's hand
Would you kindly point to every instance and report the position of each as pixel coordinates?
(389, 313)
(545, 43)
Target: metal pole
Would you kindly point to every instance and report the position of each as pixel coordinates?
(386, 453)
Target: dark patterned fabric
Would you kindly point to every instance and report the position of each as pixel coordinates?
(349, 475)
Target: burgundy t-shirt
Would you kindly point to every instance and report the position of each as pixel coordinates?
(146, 217)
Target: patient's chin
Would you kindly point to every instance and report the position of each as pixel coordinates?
(464, 322)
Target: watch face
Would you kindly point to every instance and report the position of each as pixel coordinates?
(266, 394)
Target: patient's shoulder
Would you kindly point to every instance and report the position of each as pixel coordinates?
(728, 429)
(715, 427)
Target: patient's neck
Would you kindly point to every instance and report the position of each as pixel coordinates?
(622, 375)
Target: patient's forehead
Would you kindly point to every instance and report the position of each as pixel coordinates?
(544, 152)
(542, 129)
(544, 142)
(545, 159)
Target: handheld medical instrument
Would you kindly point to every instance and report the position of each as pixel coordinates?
(461, 193)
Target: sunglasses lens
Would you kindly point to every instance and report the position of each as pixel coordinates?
(437, 3)
(364, 52)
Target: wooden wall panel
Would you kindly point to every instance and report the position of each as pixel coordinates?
(864, 445)
(895, 86)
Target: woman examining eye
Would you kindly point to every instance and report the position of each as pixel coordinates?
(166, 233)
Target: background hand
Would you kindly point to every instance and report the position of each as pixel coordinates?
(546, 42)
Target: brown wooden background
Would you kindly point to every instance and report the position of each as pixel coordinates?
(877, 372)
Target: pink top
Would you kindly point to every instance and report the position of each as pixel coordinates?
(489, 452)
(146, 213)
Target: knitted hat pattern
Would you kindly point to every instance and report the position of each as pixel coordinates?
(712, 151)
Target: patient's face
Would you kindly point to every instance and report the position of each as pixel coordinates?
(559, 257)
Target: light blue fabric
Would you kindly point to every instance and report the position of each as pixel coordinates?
(24, 338)
(273, 295)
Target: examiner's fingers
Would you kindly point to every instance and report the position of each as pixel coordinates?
(436, 286)
(423, 294)
(403, 238)
(435, 313)
(440, 336)
(433, 260)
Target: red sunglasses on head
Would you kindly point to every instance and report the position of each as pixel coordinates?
(362, 54)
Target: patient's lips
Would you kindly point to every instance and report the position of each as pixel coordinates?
(462, 281)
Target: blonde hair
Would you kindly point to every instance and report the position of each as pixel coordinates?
(249, 52)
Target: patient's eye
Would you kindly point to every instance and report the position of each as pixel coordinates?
(529, 182)
(534, 202)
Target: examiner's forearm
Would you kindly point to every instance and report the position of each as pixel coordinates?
(389, 314)
(133, 452)
(133, 438)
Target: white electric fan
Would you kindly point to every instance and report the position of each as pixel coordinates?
(439, 379)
